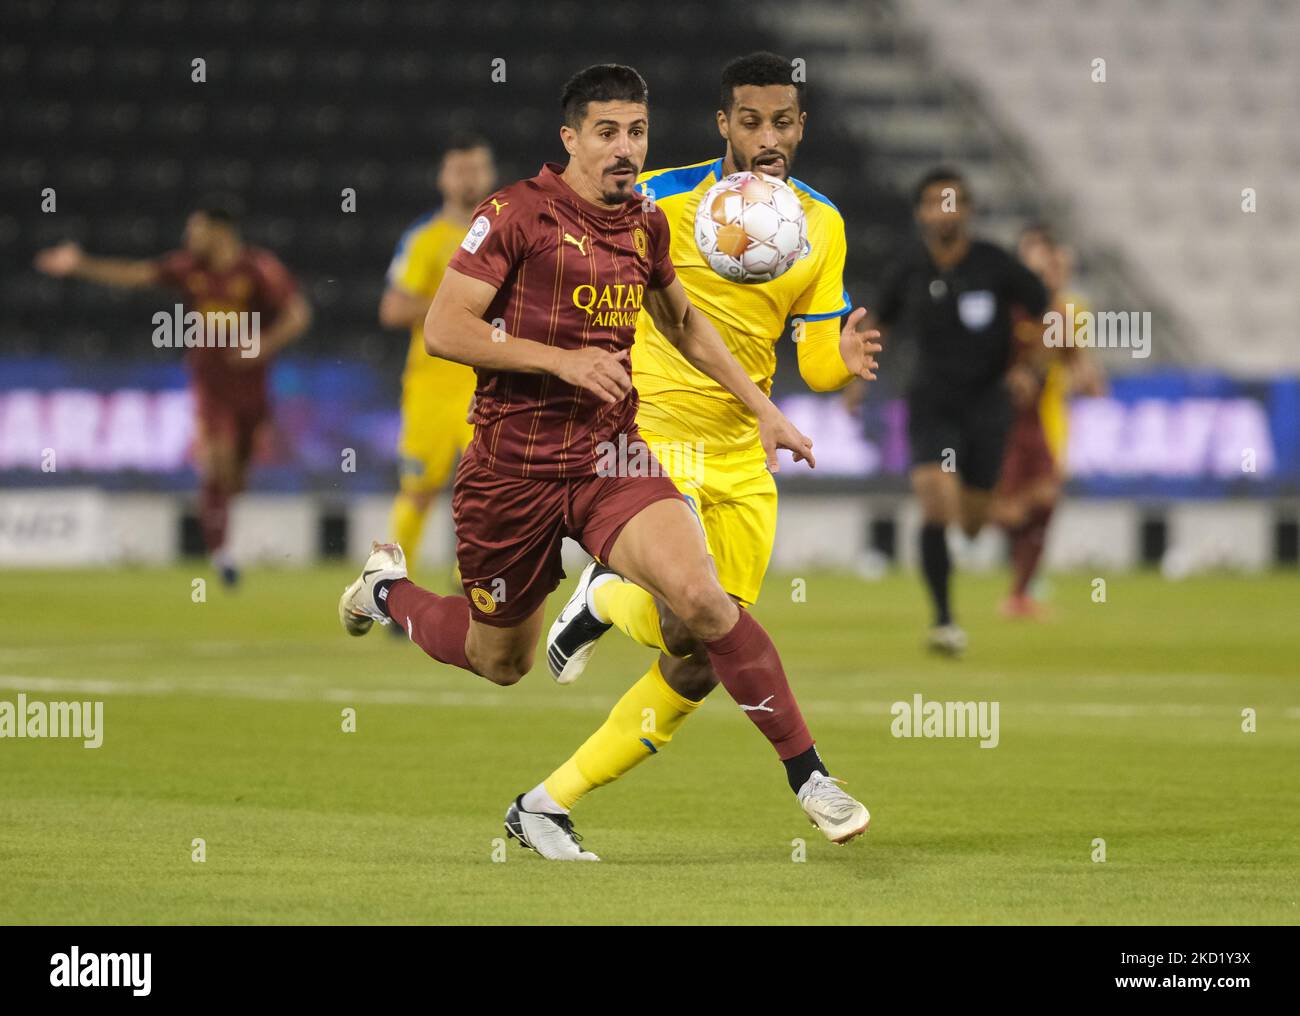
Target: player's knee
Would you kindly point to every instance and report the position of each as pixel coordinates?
(702, 605)
(505, 670)
(420, 500)
(678, 638)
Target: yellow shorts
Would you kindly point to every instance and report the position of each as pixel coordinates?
(434, 434)
(735, 498)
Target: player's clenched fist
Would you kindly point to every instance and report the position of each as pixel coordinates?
(60, 260)
(775, 431)
(605, 374)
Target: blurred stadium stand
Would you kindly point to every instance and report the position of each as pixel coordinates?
(304, 98)
(1198, 103)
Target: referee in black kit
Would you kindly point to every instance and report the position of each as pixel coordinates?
(954, 296)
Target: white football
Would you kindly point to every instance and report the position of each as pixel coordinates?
(750, 227)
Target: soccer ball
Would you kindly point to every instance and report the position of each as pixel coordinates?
(750, 227)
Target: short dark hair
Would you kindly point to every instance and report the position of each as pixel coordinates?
(601, 83)
(940, 174)
(464, 143)
(223, 208)
(760, 68)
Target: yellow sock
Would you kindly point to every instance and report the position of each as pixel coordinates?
(642, 722)
(408, 524)
(632, 611)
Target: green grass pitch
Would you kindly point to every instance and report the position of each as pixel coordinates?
(1119, 721)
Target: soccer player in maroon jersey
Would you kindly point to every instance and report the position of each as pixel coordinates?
(542, 299)
(1033, 469)
(218, 276)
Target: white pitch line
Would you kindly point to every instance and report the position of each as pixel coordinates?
(296, 689)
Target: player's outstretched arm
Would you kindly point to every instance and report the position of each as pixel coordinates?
(696, 339)
(455, 330)
(68, 260)
(831, 357)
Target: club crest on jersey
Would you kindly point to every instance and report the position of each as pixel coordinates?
(476, 233)
(639, 242)
(483, 599)
(976, 309)
(614, 306)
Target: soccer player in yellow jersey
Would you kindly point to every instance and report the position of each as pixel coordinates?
(436, 393)
(705, 438)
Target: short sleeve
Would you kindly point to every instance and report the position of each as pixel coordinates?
(662, 272)
(495, 243)
(826, 296)
(1025, 289)
(274, 283)
(409, 269)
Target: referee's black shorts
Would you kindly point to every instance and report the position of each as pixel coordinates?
(962, 431)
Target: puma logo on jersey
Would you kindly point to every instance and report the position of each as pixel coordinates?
(497, 205)
(580, 244)
(761, 707)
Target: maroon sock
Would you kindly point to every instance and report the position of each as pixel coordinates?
(437, 624)
(214, 514)
(749, 668)
(1027, 542)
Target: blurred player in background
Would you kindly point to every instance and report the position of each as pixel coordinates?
(217, 275)
(1034, 466)
(436, 393)
(730, 487)
(957, 296)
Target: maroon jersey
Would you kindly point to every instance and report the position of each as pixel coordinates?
(568, 273)
(256, 283)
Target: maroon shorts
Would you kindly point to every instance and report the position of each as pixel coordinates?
(233, 421)
(1028, 457)
(509, 531)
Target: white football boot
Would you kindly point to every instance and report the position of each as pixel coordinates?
(946, 640)
(831, 810)
(552, 836)
(572, 638)
(357, 607)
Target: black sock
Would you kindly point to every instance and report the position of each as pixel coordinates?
(801, 767)
(381, 595)
(936, 566)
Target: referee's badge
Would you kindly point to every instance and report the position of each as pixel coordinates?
(976, 309)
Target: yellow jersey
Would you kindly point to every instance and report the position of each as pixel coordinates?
(678, 401)
(417, 268)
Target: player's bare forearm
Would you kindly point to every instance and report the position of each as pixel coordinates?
(289, 325)
(454, 329)
(69, 261)
(400, 309)
(458, 335)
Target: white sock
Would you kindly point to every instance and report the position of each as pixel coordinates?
(538, 800)
(596, 583)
